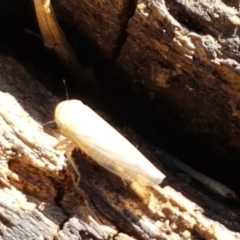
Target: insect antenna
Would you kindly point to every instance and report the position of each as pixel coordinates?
(67, 97)
(66, 91)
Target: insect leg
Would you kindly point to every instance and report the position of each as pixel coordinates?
(63, 144)
(69, 148)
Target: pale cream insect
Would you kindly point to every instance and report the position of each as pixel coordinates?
(86, 130)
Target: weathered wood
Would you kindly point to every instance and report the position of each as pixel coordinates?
(54, 38)
(38, 190)
(184, 57)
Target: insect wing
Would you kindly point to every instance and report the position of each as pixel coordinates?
(109, 148)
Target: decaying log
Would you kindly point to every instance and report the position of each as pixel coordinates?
(184, 57)
(37, 193)
(39, 198)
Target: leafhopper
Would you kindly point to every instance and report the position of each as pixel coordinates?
(85, 129)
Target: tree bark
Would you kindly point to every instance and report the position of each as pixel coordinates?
(39, 198)
(183, 56)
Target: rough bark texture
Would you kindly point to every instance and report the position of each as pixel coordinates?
(39, 197)
(184, 56)
(175, 53)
